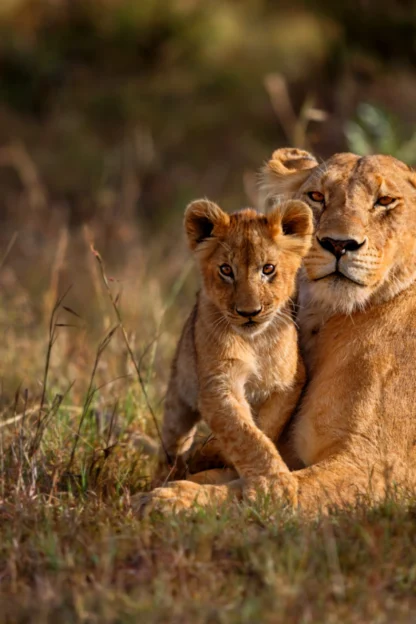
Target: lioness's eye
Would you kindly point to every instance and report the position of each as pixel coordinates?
(386, 200)
(226, 270)
(316, 196)
(268, 269)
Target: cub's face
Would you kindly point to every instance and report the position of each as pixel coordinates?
(364, 219)
(248, 261)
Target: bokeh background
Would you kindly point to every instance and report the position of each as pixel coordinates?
(115, 113)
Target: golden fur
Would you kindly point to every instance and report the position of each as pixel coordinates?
(355, 429)
(237, 364)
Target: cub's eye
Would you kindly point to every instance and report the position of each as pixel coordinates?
(268, 269)
(226, 270)
(386, 200)
(316, 196)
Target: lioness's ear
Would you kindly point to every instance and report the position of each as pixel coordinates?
(293, 222)
(203, 219)
(285, 172)
(288, 160)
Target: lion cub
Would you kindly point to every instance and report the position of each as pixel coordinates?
(237, 364)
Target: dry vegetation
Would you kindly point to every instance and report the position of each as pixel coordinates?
(113, 115)
(76, 410)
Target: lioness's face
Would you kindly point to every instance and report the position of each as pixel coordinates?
(248, 261)
(364, 220)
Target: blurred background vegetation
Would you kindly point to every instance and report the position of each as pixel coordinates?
(115, 113)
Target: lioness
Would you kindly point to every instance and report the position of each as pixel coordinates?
(237, 363)
(356, 427)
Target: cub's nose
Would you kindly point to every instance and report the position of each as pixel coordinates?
(339, 247)
(248, 313)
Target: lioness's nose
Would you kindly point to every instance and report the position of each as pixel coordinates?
(248, 313)
(339, 247)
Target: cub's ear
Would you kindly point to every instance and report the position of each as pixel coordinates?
(285, 172)
(203, 220)
(292, 222)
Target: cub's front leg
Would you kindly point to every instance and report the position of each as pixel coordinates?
(223, 405)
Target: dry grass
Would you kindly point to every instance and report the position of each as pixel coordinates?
(74, 410)
(82, 378)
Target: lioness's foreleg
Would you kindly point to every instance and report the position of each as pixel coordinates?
(342, 480)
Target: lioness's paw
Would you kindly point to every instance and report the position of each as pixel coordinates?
(282, 488)
(163, 500)
(181, 495)
(173, 497)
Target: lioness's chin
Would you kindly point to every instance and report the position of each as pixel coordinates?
(340, 295)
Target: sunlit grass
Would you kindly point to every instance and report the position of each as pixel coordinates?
(70, 547)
